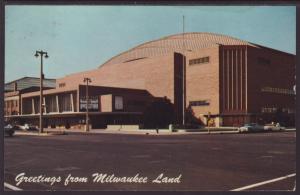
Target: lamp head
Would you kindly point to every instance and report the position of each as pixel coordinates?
(87, 80)
(36, 54)
(46, 56)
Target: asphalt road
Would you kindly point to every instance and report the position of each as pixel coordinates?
(220, 162)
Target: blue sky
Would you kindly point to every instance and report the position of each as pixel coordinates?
(79, 38)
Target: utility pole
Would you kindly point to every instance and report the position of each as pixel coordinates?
(87, 120)
(183, 74)
(37, 54)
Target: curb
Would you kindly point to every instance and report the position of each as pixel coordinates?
(137, 132)
(40, 134)
(294, 129)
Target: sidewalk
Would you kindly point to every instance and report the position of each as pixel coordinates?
(48, 132)
(203, 131)
(290, 129)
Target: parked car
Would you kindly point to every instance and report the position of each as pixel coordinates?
(9, 129)
(273, 127)
(250, 127)
(28, 127)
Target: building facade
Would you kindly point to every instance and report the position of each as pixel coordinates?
(14, 89)
(209, 78)
(66, 108)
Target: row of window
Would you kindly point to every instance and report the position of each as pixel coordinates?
(274, 110)
(14, 112)
(278, 90)
(288, 110)
(61, 84)
(199, 103)
(263, 61)
(260, 60)
(199, 60)
(63, 101)
(11, 103)
(268, 110)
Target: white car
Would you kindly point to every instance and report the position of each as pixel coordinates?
(273, 127)
(250, 127)
(27, 127)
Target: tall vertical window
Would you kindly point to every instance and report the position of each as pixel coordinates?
(51, 104)
(65, 103)
(118, 102)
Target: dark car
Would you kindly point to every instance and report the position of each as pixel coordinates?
(9, 129)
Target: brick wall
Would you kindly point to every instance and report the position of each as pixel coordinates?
(202, 81)
(278, 73)
(154, 75)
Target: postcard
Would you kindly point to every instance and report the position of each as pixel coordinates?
(150, 98)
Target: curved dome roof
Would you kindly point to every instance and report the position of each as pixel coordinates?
(174, 43)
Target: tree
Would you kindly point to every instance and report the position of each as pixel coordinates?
(159, 114)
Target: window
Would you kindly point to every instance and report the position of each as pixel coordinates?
(268, 110)
(65, 104)
(278, 90)
(134, 59)
(61, 84)
(199, 60)
(118, 103)
(263, 61)
(51, 104)
(199, 103)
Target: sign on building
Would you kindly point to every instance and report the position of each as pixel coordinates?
(93, 103)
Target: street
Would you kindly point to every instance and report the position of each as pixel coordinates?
(220, 162)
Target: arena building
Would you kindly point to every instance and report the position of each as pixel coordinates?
(217, 80)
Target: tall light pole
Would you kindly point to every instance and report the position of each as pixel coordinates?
(41, 54)
(87, 120)
(183, 74)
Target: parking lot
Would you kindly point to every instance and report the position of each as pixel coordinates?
(218, 162)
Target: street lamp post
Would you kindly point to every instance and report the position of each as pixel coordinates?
(37, 54)
(183, 75)
(87, 120)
